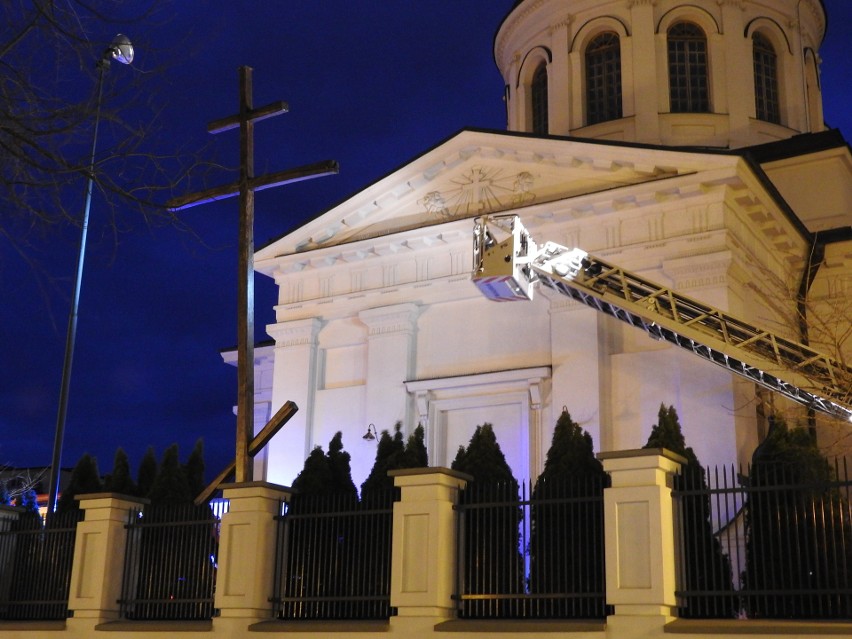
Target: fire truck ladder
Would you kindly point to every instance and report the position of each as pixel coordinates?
(508, 271)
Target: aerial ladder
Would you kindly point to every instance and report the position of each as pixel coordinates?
(508, 264)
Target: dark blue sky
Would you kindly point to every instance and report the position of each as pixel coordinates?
(370, 84)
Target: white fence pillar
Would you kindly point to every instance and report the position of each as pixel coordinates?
(99, 548)
(424, 542)
(244, 580)
(640, 539)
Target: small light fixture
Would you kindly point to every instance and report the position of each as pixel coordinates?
(371, 433)
(120, 50)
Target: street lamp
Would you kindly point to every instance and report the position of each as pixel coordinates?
(121, 50)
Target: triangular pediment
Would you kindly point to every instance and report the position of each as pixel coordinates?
(478, 172)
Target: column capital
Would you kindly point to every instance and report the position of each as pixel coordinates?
(699, 271)
(295, 333)
(399, 318)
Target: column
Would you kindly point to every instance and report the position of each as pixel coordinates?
(578, 366)
(560, 80)
(391, 349)
(642, 65)
(99, 549)
(244, 582)
(640, 539)
(424, 543)
(294, 379)
(739, 74)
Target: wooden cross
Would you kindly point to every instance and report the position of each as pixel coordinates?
(245, 187)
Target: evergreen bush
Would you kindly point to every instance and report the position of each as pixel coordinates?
(120, 480)
(707, 569)
(84, 479)
(799, 540)
(492, 564)
(567, 530)
(147, 472)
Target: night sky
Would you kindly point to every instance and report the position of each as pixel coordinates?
(370, 84)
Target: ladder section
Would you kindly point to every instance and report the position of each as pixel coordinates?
(782, 365)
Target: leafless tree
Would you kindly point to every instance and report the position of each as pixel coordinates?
(49, 50)
(810, 304)
(19, 481)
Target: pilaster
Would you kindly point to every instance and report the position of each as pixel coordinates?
(294, 379)
(391, 332)
(739, 72)
(577, 364)
(559, 80)
(643, 62)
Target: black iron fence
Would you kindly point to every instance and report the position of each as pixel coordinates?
(540, 557)
(764, 544)
(170, 563)
(35, 566)
(333, 557)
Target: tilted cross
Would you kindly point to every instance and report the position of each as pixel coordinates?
(245, 187)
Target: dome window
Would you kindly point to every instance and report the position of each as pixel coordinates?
(538, 92)
(603, 79)
(688, 69)
(765, 80)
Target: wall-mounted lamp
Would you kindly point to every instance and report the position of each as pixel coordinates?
(371, 433)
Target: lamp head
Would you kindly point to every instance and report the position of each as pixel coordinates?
(370, 435)
(121, 49)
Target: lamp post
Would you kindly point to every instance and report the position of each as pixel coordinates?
(121, 50)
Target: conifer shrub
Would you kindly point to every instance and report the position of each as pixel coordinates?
(567, 530)
(323, 544)
(393, 453)
(706, 568)
(147, 472)
(84, 479)
(492, 562)
(120, 480)
(799, 540)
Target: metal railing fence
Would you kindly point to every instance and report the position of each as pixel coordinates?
(333, 557)
(35, 566)
(170, 563)
(540, 557)
(764, 544)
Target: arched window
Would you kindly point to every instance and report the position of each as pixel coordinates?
(765, 79)
(688, 85)
(538, 92)
(603, 79)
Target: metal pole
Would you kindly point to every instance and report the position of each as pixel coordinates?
(71, 335)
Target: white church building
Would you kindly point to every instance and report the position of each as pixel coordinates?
(681, 140)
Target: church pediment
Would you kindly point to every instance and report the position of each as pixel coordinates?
(479, 172)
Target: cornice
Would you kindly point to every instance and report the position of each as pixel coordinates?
(517, 17)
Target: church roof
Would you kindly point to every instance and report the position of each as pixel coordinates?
(812, 173)
(478, 171)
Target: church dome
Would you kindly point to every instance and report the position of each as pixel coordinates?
(706, 73)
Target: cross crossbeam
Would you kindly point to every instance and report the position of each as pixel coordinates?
(245, 187)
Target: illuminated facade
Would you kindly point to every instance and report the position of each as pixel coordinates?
(635, 132)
